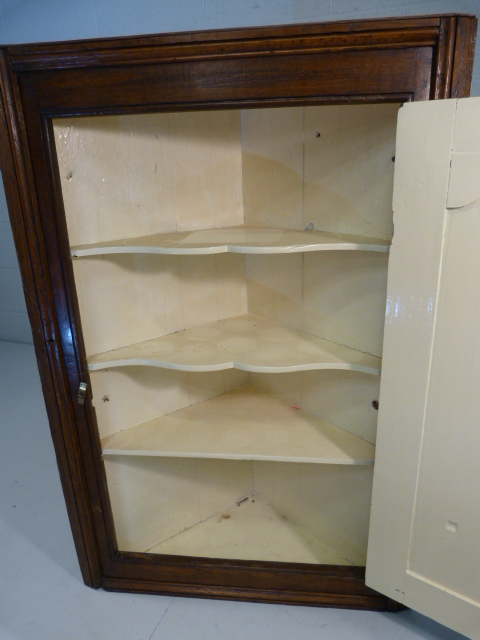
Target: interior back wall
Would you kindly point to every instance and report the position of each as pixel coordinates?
(47, 20)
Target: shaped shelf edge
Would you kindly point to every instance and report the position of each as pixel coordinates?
(244, 342)
(248, 240)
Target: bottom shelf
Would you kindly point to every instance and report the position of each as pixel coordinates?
(295, 512)
(252, 529)
(244, 424)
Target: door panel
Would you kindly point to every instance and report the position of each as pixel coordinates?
(424, 541)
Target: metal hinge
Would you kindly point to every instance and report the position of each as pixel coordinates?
(82, 392)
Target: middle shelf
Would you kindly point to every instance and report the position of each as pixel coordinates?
(244, 424)
(246, 342)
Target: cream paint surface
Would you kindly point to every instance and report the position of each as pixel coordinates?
(464, 187)
(195, 150)
(466, 137)
(245, 424)
(130, 298)
(275, 288)
(343, 398)
(272, 162)
(253, 530)
(129, 176)
(246, 342)
(155, 498)
(349, 168)
(327, 166)
(331, 501)
(344, 299)
(419, 204)
(427, 485)
(338, 296)
(127, 396)
(341, 180)
(445, 538)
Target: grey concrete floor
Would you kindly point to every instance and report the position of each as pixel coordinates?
(42, 596)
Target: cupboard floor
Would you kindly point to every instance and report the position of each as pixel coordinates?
(253, 530)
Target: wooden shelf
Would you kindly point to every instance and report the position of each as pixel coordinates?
(235, 240)
(245, 424)
(255, 530)
(245, 342)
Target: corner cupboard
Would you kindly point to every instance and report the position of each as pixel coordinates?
(239, 337)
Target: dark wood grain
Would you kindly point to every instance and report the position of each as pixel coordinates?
(346, 62)
(39, 296)
(231, 82)
(454, 57)
(464, 57)
(382, 33)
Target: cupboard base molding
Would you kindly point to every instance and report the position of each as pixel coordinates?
(343, 591)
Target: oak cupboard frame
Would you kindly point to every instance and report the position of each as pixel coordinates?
(392, 60)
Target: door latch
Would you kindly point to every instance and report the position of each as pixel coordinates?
(82, 392)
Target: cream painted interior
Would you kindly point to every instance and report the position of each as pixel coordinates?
(229, 321)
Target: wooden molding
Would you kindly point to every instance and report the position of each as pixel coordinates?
(256, 41)
(14, 161)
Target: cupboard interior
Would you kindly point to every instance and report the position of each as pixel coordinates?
(231, 269)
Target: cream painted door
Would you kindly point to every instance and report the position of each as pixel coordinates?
(424, 540)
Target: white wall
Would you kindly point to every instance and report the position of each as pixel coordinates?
(44, 20)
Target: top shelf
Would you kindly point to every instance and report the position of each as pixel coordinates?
(234, 240)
